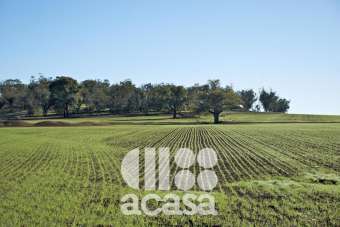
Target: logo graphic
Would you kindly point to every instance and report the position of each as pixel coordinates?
(184, 180)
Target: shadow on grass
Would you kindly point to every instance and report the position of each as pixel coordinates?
(65, 124)
(143, 119)
(19, 123)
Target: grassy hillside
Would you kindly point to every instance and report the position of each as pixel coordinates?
(279, 117)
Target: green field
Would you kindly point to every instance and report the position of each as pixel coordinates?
(269, 174)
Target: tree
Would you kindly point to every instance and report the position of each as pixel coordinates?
(267, 99)
(94, 94)
(273, 103)
(177, 98)
(144, 93)
(257, 108)
(30, 101)
(248, 98)
(40, 93)
(13, 93)
(63, 94)
(120, 95)
(195, 98)
(219, 99)
(154, 97)
(159, 97)
(2, 102)
(281, 105)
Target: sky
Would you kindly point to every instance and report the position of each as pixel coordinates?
(292, 47)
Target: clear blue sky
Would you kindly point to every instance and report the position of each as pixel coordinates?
(290, 46)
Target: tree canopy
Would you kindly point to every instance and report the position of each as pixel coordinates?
(66, 96)
(271, 102)
(63, 94)
(248, 98)
(216, 99)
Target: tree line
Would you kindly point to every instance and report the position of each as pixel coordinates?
(65, 95)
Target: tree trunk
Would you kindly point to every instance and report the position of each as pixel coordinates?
(174, 114)
(216, 118)
(45, 111)
(66, 111)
